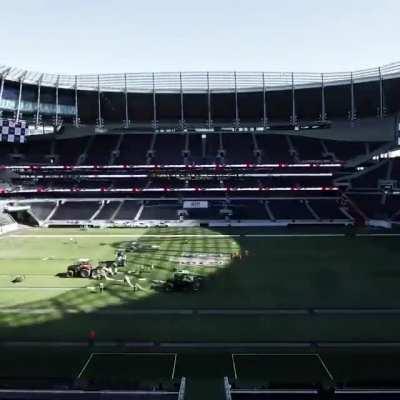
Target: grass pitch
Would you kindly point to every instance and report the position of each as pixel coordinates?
(278, 272)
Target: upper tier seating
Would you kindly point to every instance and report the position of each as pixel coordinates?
(345, 150)
(70, 149)
(134, 148)
(100, 149)
(308, 149)
(168, 148)
(239, 148)
(274, 148)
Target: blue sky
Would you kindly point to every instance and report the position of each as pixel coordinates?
(94, 36)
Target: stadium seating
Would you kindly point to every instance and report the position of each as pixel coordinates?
(75, 210)
(290, 209)
(327, 209)
(158, 211)
(5, 219)
(127, 210)
(168, 148)
(134, 148)
(107, 211)
(248, 210)
(41, 210)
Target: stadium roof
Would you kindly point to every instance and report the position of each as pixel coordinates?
(170, 82)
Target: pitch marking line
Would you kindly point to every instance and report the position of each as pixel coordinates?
(175, 355)
(121, 236)
(85, 366)
(319, 358)
(222, 236)
(325, 367)
(174, 366)
(295, 235)
(234, 366)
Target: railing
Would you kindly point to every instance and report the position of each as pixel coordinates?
(172, 82)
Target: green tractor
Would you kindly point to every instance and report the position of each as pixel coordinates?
(183, 281)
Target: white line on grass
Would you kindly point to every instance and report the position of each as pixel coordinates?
(174, 366)
(85, 366)
(295, 235)
(120, 236)
(234, 366)
(325, 367)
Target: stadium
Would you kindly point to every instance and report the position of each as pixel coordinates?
(219, 235)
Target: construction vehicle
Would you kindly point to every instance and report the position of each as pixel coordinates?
(83, 268)
(183, 281)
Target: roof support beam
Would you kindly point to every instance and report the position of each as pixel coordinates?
(352, 99)
(236, 103)
(154, 103)
(381, 95)
(57, 86)
(209, 101)
(99, 118)
(126, 122)
(264, 99)
(21, 80)
(38, 101)
(3, 77)
(294, 116)
(182, 106)
(323, 106)
(76, 102)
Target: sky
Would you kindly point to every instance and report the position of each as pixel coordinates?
(106, 36)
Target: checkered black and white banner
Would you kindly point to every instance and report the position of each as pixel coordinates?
(12, 131)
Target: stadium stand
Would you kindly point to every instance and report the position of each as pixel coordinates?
(159, 211)
(41, 210)
(239, 147)
(78, 210)
(107, 210)
(127, 210)
(291, 209)
(168, 148)
(5, 219)
(134, 148)
(327, 209)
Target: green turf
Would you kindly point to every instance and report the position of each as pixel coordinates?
(279, 272)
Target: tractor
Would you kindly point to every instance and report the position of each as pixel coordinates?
(83, 268)
(183, 281)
